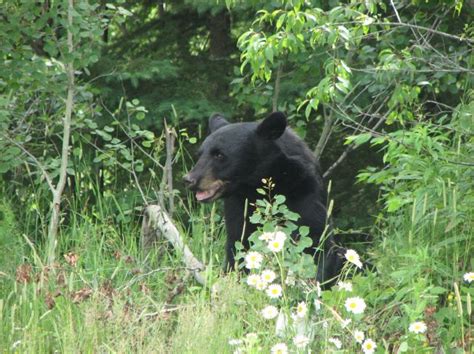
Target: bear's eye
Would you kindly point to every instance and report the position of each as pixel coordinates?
(218, 155)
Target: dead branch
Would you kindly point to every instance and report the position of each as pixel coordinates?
(156, 225)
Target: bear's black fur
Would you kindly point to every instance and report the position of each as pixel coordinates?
(234, 158)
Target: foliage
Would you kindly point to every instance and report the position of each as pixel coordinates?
(393, 80)
(359, 69)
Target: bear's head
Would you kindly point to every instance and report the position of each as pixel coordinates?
(233, 156)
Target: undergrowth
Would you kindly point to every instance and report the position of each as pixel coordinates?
(103, 294)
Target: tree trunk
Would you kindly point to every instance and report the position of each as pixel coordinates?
(58, 191)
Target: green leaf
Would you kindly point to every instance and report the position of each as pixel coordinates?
(124, 12)
(269, 54)
(393, 204)
(280, 21)
(303, 231)
(279, 199)
(403, 347)
(358, 139)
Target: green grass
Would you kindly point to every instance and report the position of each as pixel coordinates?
(114, 299)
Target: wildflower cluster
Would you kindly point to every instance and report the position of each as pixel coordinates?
(284, 275)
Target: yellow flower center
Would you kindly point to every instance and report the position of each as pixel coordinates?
(368, 346)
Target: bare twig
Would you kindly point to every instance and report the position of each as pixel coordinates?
(426, 29)
(351, 148)
(323, 139)
(170, 136)
(396, 12)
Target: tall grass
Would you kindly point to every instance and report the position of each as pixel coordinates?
(105, 295)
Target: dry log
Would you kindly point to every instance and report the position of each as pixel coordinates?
(156, 226)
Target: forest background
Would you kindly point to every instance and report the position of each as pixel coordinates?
(102, 108)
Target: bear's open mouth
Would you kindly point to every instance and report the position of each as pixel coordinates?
(211, 193)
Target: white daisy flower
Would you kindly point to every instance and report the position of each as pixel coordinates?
(359, 336)
(369, 346)
(253, 260)
(269, 312)
(268, 276)
(301, 309)
(337, 343)
(234, 342)
(266, 236)
(469, 277)
(274, 291)
(353, 257)
(280, 235)
(277, 243)
(345, 285)
(417, 327)
(253, 279)
(355, 305)
(300, 341)
(260, 285)
(280, 348)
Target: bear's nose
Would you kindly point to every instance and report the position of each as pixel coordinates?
(189, 180)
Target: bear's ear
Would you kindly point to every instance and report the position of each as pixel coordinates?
(216, 121)
(273, 126)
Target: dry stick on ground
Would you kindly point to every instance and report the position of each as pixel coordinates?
(156, 225)
(58, 191)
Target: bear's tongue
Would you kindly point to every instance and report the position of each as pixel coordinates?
(201, 195)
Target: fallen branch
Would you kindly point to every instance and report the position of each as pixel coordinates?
(156, 225)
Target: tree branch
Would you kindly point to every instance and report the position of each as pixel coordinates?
(430, 30)
(351, 148)
(323, 139)
(276, 90)
(38, 164)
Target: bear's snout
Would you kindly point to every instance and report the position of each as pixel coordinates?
(189, 180)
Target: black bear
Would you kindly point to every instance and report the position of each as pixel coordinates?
(235, 157)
